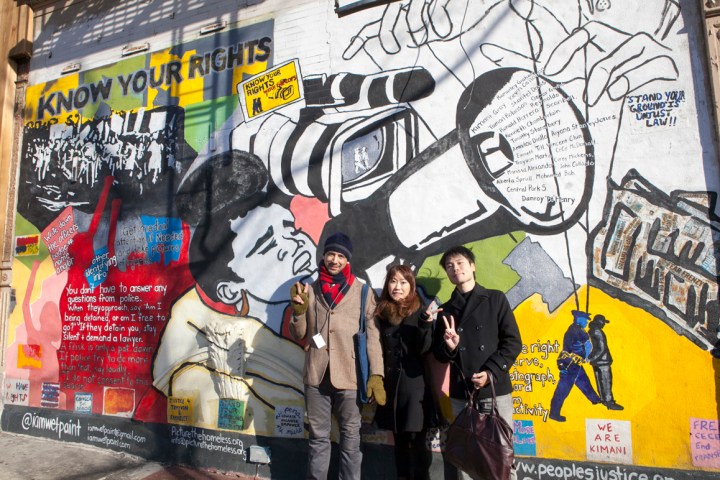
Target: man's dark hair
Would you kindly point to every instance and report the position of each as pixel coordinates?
(457, 250)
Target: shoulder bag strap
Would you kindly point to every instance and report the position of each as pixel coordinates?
(363, 298)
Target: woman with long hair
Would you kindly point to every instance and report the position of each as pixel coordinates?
(406, 333)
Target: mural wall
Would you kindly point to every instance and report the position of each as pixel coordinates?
(169, 199)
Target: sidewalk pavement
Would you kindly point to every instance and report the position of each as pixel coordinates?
(30, 458)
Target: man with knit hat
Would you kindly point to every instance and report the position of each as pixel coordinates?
(327, 314)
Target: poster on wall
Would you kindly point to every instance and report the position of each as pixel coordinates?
(168, 201)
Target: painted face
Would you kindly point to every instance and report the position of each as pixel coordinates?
(334, 262)
(398, 287)
(459, 270)
(270, 253)
(583, 321)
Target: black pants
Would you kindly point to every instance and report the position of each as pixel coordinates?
(412, 458)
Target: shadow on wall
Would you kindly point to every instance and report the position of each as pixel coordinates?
(115, 25)
(692, 15)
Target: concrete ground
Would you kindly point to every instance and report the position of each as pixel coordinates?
(29, 458)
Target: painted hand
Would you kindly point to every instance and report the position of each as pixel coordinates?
(633, 62)
(415, 23)
(376, 390)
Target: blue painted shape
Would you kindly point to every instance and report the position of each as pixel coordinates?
(164, 238)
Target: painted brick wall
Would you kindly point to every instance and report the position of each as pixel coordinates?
(169, 199)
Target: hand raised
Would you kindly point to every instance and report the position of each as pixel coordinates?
(431, 311)
(452, 339)
(299, 298)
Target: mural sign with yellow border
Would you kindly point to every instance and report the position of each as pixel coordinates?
(270, 90)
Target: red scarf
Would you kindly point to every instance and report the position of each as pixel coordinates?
(334, 287)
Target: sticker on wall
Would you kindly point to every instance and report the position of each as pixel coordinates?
(289, 421)
(608, 441)
(17, 392)
(180, 410)
(118, 401)
(58, 236)
(29, 356)
(435, 439)
(270, 90)
(231, 414)
(83, 402)
(50, 396)
(164, 238)
(369, 433)
(705, 442)
(27, 246)
(524, 438)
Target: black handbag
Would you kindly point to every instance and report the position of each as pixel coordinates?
(481, 444)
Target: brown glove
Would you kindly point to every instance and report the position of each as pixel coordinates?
(299, 308)
(375, 389)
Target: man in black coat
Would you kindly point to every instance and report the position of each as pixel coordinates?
(479, 335)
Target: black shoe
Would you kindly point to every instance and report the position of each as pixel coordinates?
(557, 417)
(614, 406)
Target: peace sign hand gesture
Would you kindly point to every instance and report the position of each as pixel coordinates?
(452, 339)
(299, 298)
(430, 312)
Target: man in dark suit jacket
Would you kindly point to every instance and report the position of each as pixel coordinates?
(479, 334)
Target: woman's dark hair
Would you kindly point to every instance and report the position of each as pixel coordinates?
(387, 307)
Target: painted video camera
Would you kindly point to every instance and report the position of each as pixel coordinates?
(352, 134)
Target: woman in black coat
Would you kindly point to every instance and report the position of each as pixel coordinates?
(406, 334)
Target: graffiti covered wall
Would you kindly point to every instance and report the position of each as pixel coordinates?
(169, 199)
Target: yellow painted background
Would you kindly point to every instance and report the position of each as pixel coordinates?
(660, 378)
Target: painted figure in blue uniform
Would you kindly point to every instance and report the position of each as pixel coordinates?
(576, 349)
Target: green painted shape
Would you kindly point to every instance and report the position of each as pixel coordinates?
(117, 100)
(490, 272)
(204, 118)
(22, 228)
